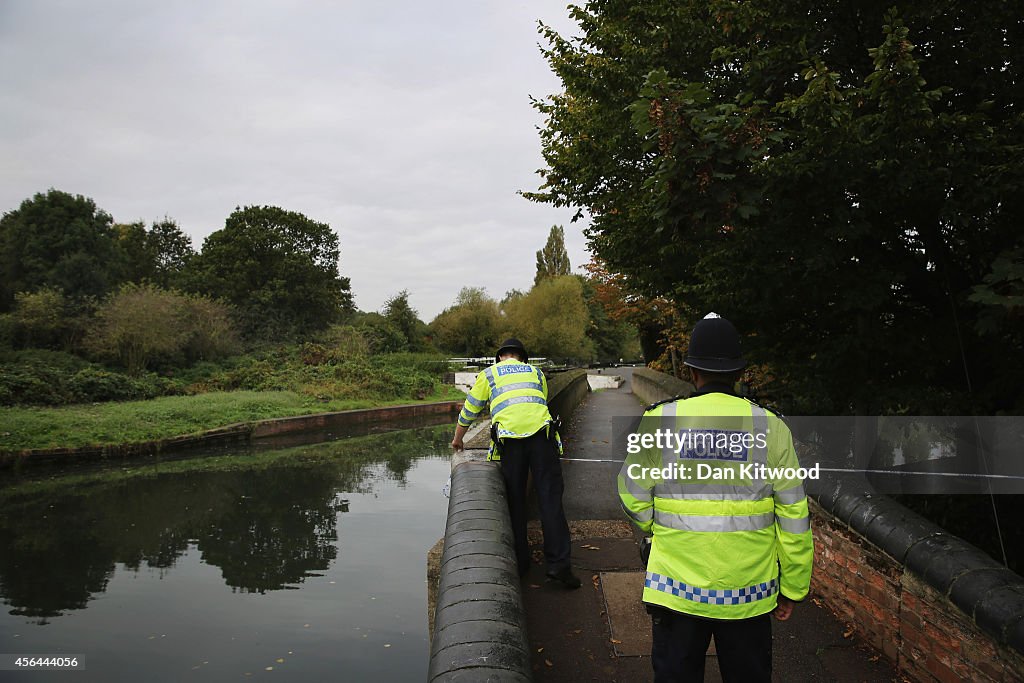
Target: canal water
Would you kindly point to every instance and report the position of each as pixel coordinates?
(298, 564)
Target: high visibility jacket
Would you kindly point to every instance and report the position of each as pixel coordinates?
(518, 397)
(730, 523)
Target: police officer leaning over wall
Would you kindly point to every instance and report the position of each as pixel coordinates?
(731, 541)
(523, 438)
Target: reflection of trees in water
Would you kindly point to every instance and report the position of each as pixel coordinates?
(267, 520)
(280, 528)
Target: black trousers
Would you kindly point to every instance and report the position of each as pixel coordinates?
(744, 647)
(518, 458)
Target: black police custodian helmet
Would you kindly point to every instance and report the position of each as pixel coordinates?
(715, 346)
(511, 344)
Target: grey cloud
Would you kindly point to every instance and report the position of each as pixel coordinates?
(405, 125)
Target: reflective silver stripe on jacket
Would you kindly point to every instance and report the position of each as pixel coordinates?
(489, 374)
(759, 455)
(715, 523)
(639, 517)
(500, 406)
(794, 526)
(475, 402)
(636, 490)
(790, 496)
(669, 456)
(514, 387)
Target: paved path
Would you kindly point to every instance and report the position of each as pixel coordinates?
(600, 632)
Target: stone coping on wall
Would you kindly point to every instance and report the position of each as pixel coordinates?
(239, 433)
(652, 386)
(991, 595)
(479, 629)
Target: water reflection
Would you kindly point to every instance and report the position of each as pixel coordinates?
(266, 520)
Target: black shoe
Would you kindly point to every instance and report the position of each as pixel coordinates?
(565, 577)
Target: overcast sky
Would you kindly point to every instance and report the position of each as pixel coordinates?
(404, 125)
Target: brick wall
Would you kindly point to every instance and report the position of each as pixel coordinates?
(897, 612)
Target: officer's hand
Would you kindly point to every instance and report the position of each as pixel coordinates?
(784, 609)
(457, 443)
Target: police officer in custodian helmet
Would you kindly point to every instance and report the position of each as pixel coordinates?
(731, 537)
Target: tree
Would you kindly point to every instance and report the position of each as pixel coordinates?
(141, 323)
(278, 268)
(611, 339)
(210, 331)
(136, 325)
(553, 260)
(404, 317)
(552, 319)
(381, 334)
(834, 178)
(159, 255)
(60, 241)
(470, 326)
(39, 319)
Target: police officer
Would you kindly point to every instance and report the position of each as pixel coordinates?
(523, 440)
(731, 538)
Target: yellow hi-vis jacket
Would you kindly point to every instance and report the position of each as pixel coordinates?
(728, 516)
(518, 396)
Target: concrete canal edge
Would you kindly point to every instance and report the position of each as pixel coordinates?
(236, 434)
(475, 606)
(937, 607)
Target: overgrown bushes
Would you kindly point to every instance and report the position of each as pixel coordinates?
(324, 372)
(51, 378)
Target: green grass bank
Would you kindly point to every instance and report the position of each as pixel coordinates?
(111, 423)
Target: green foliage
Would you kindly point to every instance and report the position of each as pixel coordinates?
(551, 320)
(382, 335)
(58, 241)
(844, 219)
(399, 313)
(209, 328)
(53, 378)
(143, 323)
(611, 340)
(328, 373)
(136, 325)
(94, 384)
(553, 259)
(345, 340)
(470, 327)
(32, 382)
(39, 319)
(160, 255)
(278, 268)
